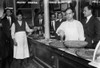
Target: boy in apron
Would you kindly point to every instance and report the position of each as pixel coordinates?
(18, 32)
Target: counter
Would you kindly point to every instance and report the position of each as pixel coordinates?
(51, 57)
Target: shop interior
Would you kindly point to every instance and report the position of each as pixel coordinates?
(44, 55)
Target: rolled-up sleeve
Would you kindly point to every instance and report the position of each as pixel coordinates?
(27, 28)
(60, 28)
(13, 31)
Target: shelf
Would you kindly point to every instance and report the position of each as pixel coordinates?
(24, 8)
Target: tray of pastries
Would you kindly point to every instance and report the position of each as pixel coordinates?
(75, 44)
(85, 53)
(57, 44)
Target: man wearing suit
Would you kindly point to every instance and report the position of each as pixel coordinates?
(3, 48)
(6, 25)
(58, 23)
(52, 24)
(91, 27)
(39, 22)
(59, 20)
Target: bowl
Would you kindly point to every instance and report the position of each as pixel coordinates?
(75, 44)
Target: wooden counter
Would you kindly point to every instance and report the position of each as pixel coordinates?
(51, 57)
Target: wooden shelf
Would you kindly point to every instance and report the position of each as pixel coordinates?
(24, 8)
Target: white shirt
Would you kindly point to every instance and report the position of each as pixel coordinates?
(40, 21)
(20, 23)
(9, 18)
(53, 23)
(88, 18)
(60, 20)
(73, 30)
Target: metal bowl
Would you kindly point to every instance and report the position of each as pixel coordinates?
(75, 44)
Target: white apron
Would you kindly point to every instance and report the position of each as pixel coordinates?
(21, 51)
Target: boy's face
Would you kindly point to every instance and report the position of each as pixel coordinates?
(19, 17)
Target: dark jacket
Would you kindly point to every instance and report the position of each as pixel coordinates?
(20, 28)
(3, 46)
(92, 31)
(6, 25)
(37, 24)
(58, 23)
(6, 30)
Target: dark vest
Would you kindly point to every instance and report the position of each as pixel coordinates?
(18, 27)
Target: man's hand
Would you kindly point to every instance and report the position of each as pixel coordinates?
(61, 33)
(15, 43)
(0, 25)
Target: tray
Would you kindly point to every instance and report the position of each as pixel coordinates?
(57, 44)
(85, 53)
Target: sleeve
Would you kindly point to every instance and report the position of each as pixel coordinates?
(60, 28)
(81, 32)
(13, 31)
(27, 28)
(97, 30)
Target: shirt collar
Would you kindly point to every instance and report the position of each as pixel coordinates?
(60, 19)
(8, 16)
(89, 17)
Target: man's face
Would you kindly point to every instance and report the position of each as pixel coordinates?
(86, 12)
(69, 14)
(59, 16)
(8, 12)
(40, 16)
(53, 17)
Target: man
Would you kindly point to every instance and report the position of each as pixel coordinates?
(3, 48)
(40, 24)
(6, 26)
(91, 27)
(59, 20)
(58, 23)
(52, 24)
(71, 28)
(64, 15)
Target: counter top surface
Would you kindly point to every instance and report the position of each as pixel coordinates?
(65, 51)
(71, 51)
